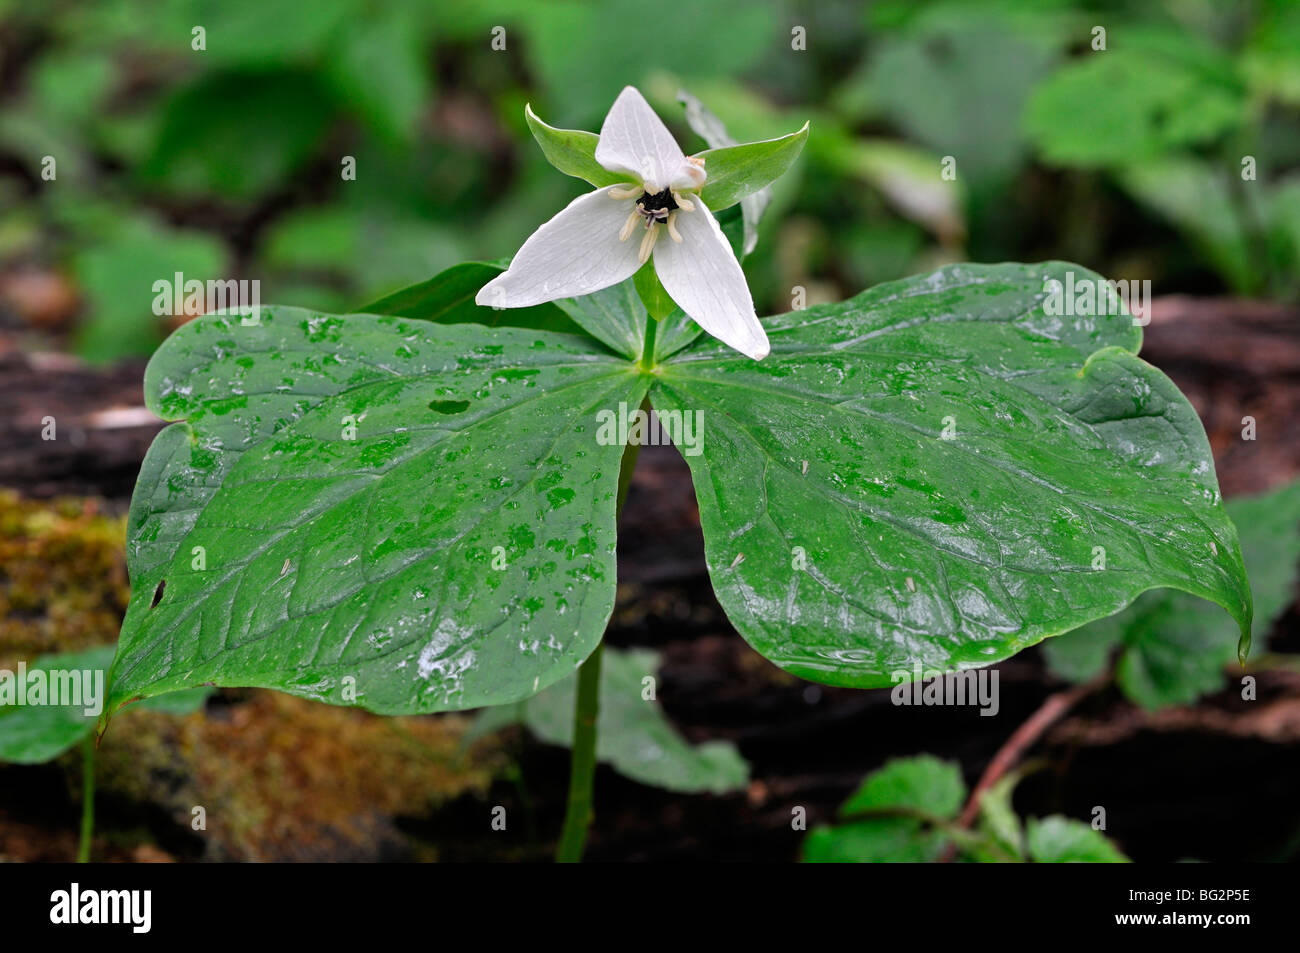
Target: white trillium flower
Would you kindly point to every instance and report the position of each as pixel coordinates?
(602, 238)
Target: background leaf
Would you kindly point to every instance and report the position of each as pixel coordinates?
(922, 784)
(634, 736)
(1133, 103)
(1061, 840)
(36, 734)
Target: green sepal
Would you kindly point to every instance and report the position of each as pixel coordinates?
(572, 151)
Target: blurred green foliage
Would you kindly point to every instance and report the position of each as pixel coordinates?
(906, 812)
(228, 161)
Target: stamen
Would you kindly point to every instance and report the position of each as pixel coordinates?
(672, 228)
(629, 225)
(684, 204)
(648, 243)
(624, 192)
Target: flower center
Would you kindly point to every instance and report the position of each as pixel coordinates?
(657, 207)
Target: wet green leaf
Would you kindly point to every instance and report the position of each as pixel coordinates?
(372, 510)
(1174, 648)
(926, 475)
(634, 736)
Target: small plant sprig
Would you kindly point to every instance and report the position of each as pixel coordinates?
(405, 512)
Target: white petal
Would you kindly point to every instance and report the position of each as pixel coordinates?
(702, 275)
(635, 140)
(575, 253)
(688, 175)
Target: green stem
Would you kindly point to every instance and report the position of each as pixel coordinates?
(582, 770)
(87, 798)
(648, 352)
(586, 708)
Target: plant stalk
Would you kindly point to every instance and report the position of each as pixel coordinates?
(586, 709)
(87, 799)
(582, 769)
(648, 352)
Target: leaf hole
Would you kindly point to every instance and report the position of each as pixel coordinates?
(158, 593)
(449, 406)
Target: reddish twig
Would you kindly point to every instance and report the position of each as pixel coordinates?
(1022, 739)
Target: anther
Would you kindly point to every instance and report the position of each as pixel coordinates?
(672, 228)
(684, 204)
(624, 192)
(648, 243)
(629, 225)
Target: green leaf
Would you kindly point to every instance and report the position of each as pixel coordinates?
(737, 171)
(572, 151)
(455, 549)
(448, 298)
(675, 333)
(203, 140)
(1173, 647)
(923, 782)
(583, 53)
(615, 316)
(1060, 840)
(379, 70)
(359, 249)
(957, 85)
(922, 476)
(883, 840)
(907, 178)
(633, 734)
(916, 797)
(117, 276)
(33, 734)
(999, 819)
(652, 292)
(1196, 197)
(752, 206)
(1120, 107)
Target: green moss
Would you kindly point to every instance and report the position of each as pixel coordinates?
(63, 582)
(281, 778)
